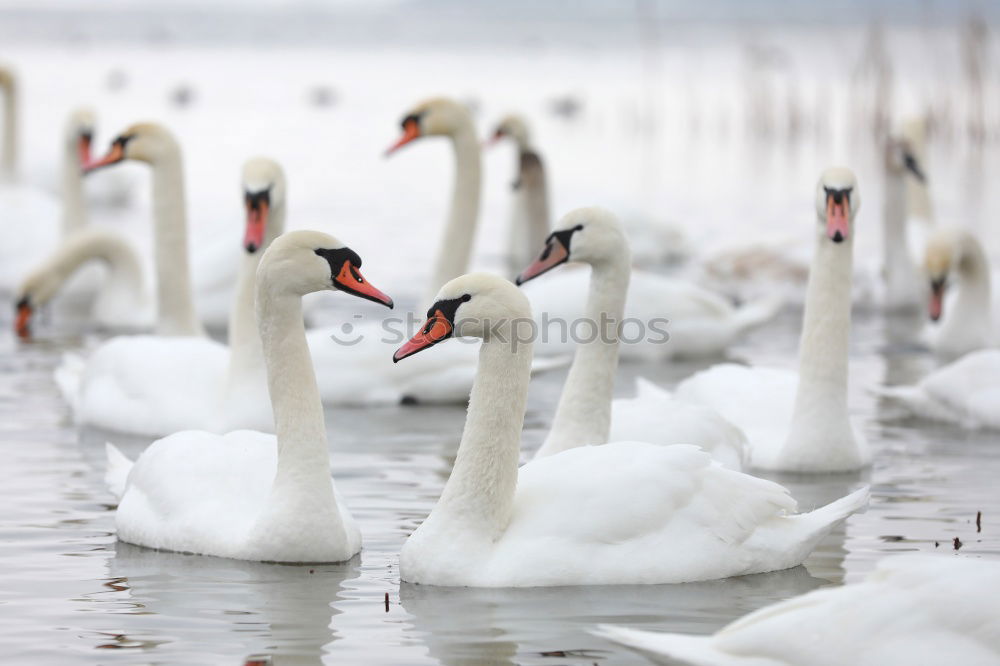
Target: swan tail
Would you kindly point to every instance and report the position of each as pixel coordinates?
(758, 312)
(819, 522)
(117, 471)
(68, 377)
(663, 648)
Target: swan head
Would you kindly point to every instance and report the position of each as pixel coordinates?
(301, 262)
(476, 305)
(942, 256)
(514, 127)
(434, 117)
(80, 133)
(263, 192)
(592, 235)
(900, 158)
(35, 291)
(837, 203)
(144, 142)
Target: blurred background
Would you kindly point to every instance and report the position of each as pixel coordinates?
(702, 124)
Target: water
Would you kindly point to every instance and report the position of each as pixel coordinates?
(70, 594)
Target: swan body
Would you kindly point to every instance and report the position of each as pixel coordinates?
(966, 392)
(955, 257)
(799, 422)
(586, 414)
(591, 515)
(250, 495)
(913, 610)
(654, 415)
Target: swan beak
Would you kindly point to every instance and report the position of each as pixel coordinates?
(838, 211)
(83, 148)
(411, 131)
(22, 326)
(555, 253)
(115, 155)
(937, 299)
(493, 140)
(257, 212)
(350, 280)
(435, 329)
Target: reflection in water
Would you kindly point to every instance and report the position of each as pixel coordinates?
(465, 626)
(230, 607)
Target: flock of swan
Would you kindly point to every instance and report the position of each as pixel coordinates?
(649, 490)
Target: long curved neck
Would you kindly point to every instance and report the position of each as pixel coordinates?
(175, 304)
(583, 416)
(125, 277)
(460, 230)
(246, 355)
(530, 224)
(8, 158)
(900, 272)
(821, 399)
(479, 494)
(74, 211)
(303, 471)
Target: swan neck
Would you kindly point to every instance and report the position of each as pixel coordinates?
(8, 156)
(125, 277)
(479, 495)
(74, 210)
(583, 416)
(821, 397)
(973, 305)
(455, 250)
(175, 304)
(529, 225)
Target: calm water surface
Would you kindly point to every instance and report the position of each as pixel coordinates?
(70, 594)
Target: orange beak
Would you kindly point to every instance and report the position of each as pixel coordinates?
(115, 155)
(257, 212)
(350, 280)
(83, 149)
(434, 330)
(837, 218)
(937, 300)
(555, 253)
(22, 326)
(411, 131)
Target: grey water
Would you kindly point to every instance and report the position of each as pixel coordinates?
(70, 594)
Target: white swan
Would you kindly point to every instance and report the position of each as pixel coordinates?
(954, 257)
(155, 384)
(903, 287)
(966, 392)
(663, 318)
(913, 610)
(799, 422)
(586, 414)
(42, 220)
(619, 513)
(122, 299)
(249, 495)
(529, 218)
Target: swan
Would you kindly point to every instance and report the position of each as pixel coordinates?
(902, 285)
(592, 515)
(586, 413)
(42, 220)
(664, 317)
(955, 256)
(529, 223)
(798, 422)
(912, 610)
(248, 495)
(966, 392)
(441, 116)
(157, 384)
(122, 299)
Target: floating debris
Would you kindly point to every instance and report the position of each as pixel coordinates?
(979, 521)
(386, 602)
(957, 543)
